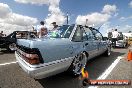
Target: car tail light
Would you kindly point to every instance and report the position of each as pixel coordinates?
(32, 58)
(30, 55)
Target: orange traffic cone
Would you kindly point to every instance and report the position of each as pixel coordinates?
(129, 55)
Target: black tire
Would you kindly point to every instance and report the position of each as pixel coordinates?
(78, 63)
(108, 52)
(11, 47)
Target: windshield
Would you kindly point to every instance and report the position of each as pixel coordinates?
(62, 32)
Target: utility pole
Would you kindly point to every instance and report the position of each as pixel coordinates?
(86, 22)
(67, 18)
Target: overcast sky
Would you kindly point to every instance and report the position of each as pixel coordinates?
(22, 14)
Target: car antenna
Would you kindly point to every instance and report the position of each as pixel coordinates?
(100, 27)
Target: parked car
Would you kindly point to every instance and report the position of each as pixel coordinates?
(67, 48)
(122, 41)
(9, 42)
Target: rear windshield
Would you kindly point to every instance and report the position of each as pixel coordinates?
(62, 32)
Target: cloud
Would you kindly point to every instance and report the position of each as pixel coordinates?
(94, 18)
(105, 28)
(109, 9)
(13, 21)
(103, 17)
(130, 4)
(55, 13)
(9, 28)
(4, 10)
(125, 18)
(121, 28)
(122, 18)
(125, 28)
(37, 2)
(97, 18)
(21, 20)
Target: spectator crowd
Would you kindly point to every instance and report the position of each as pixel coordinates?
(42, 30)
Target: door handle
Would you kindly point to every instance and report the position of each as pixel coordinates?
(86, 44)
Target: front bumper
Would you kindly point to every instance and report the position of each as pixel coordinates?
(44, 70)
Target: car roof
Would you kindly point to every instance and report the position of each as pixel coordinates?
(81, 26)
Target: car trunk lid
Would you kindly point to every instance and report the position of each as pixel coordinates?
(24, 42)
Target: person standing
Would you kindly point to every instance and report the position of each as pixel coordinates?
(42, 30)
(115, 35)
(1, 34)
(55, 31)
(55, 26)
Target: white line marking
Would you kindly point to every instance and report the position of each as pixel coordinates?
(107, 71)
(8, 63)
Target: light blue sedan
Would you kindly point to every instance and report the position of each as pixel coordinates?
(67, 48)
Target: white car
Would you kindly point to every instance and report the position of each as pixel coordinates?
(122, 41)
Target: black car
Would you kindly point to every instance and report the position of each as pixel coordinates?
(9, 42)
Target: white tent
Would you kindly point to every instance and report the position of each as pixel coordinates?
(128, 34)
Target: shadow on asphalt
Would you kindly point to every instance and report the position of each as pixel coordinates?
(98, 65)
(62, 80)
(95, 68)
(5, 52)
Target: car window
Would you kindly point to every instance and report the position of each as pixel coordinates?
(21, 35)
(32, 35)
(12, 35)
(78, 35)
(68, 32)
(85, 37)
(97, 34)
(62, 32)
(89, 33)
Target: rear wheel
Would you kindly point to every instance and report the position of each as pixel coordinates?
(78, 63)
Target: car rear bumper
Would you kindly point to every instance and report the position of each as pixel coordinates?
(120, 44)
(45, 70)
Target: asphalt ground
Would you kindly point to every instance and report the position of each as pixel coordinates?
(12, 76)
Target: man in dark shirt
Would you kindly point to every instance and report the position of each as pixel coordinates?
(55, 26)
(1, 34)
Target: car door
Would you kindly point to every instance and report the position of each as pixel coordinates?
(90, 44)
(83, 40)
(101, 44)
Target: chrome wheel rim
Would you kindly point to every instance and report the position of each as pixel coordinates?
(79, 63)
